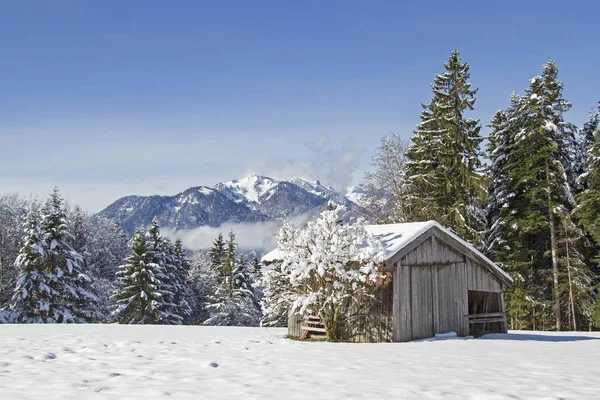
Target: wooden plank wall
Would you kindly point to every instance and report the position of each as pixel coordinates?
(294, 323)
(402, 310)
(422, 302)
(432, 252)
(372, 320)
(451, 284)
(479, 278)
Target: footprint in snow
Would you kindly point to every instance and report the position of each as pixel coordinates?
(50, 356)
(213, 364)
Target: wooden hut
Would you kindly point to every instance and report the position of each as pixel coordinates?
(435, 282)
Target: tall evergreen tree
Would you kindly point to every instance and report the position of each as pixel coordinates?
(33, 293)
(138, 299)
(74, 302)
(588, 207)
(444, 159)
(180, 277)
(217, 253)
(234, 301)
(530, 231)
(541, 178)
(505, 126)
(53, 286)
(201, 284)
(168, 273)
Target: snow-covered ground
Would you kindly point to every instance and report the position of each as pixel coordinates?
(123, 362)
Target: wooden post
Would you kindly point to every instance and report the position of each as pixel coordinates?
(504, 324)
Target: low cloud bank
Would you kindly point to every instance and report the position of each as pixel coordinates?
(256, 236)
(261, 236)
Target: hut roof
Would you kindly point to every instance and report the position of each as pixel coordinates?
(399, 239)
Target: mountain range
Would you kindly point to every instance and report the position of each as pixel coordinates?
(247, 200)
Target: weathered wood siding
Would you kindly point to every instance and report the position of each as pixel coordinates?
(372, 318)
(402, 310)
(421, 302)
(432, 251)
(452, 295)
(294, 323)
(431, 299)
(479, 278)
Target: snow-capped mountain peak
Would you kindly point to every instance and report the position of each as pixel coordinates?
(248, 189)
(250, 199)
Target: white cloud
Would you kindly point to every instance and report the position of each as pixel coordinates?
(334, 164)
(250, 236)
(259, 236)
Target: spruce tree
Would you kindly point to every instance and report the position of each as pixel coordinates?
(181, 274)
(444, 166)
(138, 298)
(33, 293)
(541, 177)
(587, 211)
(531, 232)
(168, 274)
(217, 253)
(73, 301)
(234, 302)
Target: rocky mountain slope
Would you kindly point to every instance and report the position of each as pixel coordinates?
(250, 199)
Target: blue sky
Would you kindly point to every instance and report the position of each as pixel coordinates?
(109, 98)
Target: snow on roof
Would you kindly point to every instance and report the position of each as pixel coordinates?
(394, 237)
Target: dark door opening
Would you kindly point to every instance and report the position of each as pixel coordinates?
(485, 313)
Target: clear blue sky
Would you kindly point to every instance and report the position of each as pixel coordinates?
(108, 98)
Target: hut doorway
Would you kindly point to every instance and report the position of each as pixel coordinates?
(485, 313)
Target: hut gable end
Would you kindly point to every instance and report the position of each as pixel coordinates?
(432, 251)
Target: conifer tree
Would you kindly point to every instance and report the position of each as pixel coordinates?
(73, 301)
(217, 253)
(138, 299)
(531, 232)
(444, 163)
(168, 274)
(588, 208)
(234, 302)
(587, 211)
(33, 293)
(202, 283)
(181, 273)
(541, 177)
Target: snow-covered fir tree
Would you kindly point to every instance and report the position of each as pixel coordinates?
(52, 286)
(444, 166)
(530, 232)
(277, 290)
(217, 253)
(235, 301)
(322, 281)
(138, 298)
(74, 301)
(180, 276)
(587, 211)
(33, 293)
(170, 276)
(13, 211)
(202, 282)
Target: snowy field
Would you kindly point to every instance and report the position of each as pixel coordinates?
(126, 362)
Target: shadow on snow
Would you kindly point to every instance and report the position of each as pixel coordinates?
(550, 337)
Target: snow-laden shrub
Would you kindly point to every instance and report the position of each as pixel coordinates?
(326, 267)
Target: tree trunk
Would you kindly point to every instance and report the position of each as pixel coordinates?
(571, 298)
(554, 250)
